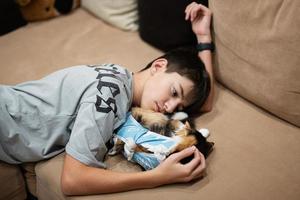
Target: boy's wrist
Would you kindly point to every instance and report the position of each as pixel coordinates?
(204, 38)
(205, 46)
(154, 178)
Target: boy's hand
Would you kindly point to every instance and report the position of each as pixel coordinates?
(200, 17)
(172, 171)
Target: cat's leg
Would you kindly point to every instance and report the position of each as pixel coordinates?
(182, 133)
(118, 146)
(185, 142)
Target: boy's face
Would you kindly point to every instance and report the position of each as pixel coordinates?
(166, 92)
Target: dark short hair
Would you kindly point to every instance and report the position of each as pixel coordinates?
(186, 62)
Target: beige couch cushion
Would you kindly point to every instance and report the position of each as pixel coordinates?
(40, 48)
(12, 184)
(119, 13)
(258, 48)
(49, 173)
(30, 177)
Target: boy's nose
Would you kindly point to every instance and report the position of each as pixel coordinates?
(171, 105)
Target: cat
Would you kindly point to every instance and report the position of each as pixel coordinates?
(170, 126)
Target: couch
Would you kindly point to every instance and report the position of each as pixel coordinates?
(256, 114)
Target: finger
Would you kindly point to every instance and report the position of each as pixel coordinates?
(195, 162)
(196, 11)
(205, 10)
(190, 6)
(184, 153)
(198, 172)
(203, 7)
(188, 10)
(186, 16)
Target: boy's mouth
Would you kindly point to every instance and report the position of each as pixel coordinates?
(158, 108)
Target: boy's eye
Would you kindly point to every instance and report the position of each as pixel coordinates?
(180, 108)
(174, 92)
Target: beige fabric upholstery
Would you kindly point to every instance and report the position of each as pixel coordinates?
(79, 38)
(119, 13)
(48, 175)
(256, 156)
(30, 177)
(258, 48)
(12, 183)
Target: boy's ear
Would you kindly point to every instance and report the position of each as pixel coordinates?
(159, 65)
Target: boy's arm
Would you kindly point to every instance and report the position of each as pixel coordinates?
(80, 179)
(200, 17)
(206, 57)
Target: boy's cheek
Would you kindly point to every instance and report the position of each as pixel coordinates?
(146, 104)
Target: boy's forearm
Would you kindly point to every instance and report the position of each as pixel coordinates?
(200, 17)
(98, 181)
(79, 179)
(206, 57)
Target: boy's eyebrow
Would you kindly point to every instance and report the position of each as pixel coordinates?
(181, 91)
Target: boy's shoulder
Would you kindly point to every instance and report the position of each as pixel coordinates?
(100, 68)
(109, 68)
(97, 72)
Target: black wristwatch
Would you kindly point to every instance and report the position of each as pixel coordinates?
(206, 46)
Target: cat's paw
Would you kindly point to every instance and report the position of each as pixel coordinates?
(154, 121)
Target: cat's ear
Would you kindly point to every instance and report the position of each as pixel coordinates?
(187, 125)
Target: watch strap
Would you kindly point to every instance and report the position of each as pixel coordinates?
(206, 46)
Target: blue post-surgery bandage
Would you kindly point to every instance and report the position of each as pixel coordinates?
(133, 133)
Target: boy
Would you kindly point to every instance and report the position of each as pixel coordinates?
(78, 108)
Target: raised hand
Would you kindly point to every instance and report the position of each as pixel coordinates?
(200, 17)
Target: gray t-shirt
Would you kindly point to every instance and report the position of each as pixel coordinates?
(76, 109)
